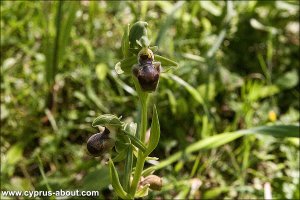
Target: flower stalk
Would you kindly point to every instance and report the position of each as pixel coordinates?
(142, 134)
(144, 67)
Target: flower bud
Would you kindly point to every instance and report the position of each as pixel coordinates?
(100, 143)
(154, 181)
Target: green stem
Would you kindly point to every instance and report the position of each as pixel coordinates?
(138, 172)
(144, 104)
(142, 134)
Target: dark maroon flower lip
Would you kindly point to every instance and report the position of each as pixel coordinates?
(147, 71)
(147, 76)
(100, 143)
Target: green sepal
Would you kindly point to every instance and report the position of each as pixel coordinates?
(154, 133)
(114, 179)
(125, 65)
(165, 62)
(137, 31)
(107, 120)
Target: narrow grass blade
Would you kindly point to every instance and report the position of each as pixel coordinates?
(195, 94)
(55, 49)
(275, 131)
(40, 164)
(95, 99)
(224, 138)
(165, 62)
(66, 27)
(125, 42)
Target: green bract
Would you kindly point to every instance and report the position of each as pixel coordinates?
(154, 133)
(114, 177)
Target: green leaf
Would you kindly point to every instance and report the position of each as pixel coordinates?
(280, 131)
(125, 65)
(116, 182)
(154, 133)
(107, 119)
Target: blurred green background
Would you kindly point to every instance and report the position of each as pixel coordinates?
(239, 68)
